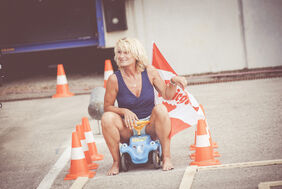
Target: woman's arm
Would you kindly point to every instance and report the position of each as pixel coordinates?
(110, 95)
(167, 91)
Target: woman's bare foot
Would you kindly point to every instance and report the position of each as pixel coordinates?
(114, 170)
(167, 164)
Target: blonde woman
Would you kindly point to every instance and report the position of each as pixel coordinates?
(133, 88)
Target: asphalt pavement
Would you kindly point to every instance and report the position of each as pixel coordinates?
(244, 118)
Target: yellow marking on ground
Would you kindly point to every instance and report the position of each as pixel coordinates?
(267, 185)
(240, 165)
(190, 171)
(188, 177)
(79, 183)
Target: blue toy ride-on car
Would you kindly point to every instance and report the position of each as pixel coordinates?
(141, 149)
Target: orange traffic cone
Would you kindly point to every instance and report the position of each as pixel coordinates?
(81, 136)
(204, 151)
(90, 141)
(79, 166)
(214, 145)
(108, 71)
(62, 88)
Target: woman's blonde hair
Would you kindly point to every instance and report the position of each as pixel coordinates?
(137, 50)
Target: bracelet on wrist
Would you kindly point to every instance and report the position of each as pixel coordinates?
(171, 82)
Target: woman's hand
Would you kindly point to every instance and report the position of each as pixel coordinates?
(180, 81)
(130, 118)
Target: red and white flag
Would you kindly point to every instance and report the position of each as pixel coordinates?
(183, 109)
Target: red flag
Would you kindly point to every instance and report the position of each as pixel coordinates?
(183, 108)
(159, 61)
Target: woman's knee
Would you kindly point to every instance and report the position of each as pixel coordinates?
(160, 110)
(160, 117)
(108, 119)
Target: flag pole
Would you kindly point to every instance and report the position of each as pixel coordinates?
(152, 50)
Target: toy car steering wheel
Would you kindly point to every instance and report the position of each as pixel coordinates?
(140, 125)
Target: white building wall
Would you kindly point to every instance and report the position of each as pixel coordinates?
(263, 30)
(196, 36)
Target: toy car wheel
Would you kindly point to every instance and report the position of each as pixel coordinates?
(125, 162)
(156, 159)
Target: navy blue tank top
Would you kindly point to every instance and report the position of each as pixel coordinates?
(143, 105)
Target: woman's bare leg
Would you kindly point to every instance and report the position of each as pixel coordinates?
(113, 130)
(160, 126)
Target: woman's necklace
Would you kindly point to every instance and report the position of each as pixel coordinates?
(134, 85)
(132, 82)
